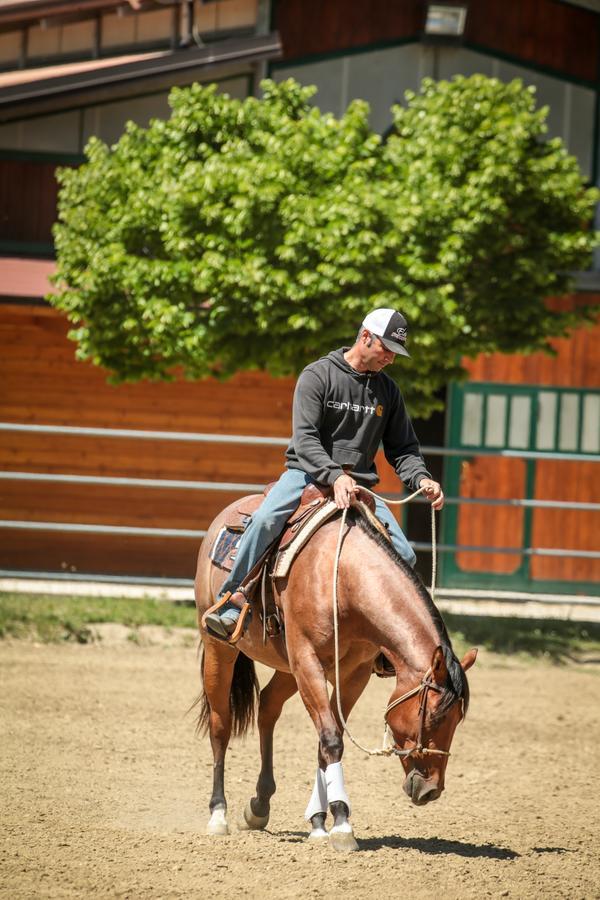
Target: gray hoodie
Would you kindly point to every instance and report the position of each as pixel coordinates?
(340, 418)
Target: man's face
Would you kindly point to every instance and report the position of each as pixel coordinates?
(375, 355)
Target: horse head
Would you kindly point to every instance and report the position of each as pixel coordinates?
(423, 721)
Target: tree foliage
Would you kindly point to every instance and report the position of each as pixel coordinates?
(258, 233)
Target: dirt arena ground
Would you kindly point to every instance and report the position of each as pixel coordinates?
(105, 788)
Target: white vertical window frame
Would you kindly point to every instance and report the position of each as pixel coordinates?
(590, 431)
(568, 429)
(472, 421)
(546, 423)
(495, 424)
(519, 425)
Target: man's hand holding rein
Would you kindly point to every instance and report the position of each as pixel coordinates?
(432, 492)
(343, 488)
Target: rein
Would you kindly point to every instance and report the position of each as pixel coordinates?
(426, 684)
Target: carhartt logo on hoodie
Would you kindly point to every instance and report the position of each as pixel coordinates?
(355, 407)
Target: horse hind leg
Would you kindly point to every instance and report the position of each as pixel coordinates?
(224, 673)
(280, 688)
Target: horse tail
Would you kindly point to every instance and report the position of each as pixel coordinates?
(243, 697)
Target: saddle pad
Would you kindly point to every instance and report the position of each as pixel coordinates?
(224, 548)
(287, 556)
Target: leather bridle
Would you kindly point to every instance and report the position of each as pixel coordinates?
(426, 685)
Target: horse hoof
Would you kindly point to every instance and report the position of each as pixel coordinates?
(318, 834)
(217, 824)
(251, 822)
(341, 838)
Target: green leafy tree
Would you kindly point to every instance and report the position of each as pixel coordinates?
(258, 233)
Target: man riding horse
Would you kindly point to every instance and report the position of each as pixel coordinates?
(345, 406)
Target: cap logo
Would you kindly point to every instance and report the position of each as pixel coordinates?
(399, 333)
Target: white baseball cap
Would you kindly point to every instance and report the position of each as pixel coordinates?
(391, 328)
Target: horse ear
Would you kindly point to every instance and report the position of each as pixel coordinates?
(439, 669)
(469, 658)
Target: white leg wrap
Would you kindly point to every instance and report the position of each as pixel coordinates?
(334, 776)
(318, 799)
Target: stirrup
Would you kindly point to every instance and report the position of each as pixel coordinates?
(240, 627)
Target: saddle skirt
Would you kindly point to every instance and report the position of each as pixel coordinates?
(315, 508)
(225, 545)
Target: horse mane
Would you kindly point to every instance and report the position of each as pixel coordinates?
(457, 686)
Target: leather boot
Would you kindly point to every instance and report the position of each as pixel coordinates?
(227, 628)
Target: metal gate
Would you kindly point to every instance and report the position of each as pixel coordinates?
(544, 436)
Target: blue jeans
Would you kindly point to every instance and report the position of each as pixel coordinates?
(269, 520)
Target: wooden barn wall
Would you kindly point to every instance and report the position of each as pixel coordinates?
(40, 382)
(543, 32)
(28, 199)
(310, 27)
(576, 364)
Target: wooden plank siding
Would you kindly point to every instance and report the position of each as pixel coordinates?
(311, 27)
(545, 33)
(576, 364)
(28, 200)
(478, 525)
(40, 382)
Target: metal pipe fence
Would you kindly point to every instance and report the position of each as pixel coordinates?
(241, 488)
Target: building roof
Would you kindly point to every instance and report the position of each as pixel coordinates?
(42, 88)
(17, 14)
(50, 73)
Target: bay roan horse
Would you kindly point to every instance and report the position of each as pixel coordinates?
(383, 606)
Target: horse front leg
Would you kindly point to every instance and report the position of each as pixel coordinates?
(329, 790)
(280, 688)
(341, 836)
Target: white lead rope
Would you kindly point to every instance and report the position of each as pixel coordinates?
(381, 751)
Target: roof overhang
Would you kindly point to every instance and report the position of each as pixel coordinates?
(14, 15)
(35, 92)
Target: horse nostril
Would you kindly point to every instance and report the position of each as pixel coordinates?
(419, 789)
(413, 784)
(426, 796)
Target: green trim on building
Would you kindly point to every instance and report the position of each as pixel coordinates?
(347, 51)
(39, 249)
(42, 157)
(544, 434)
(527, 64)
(551, 72)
